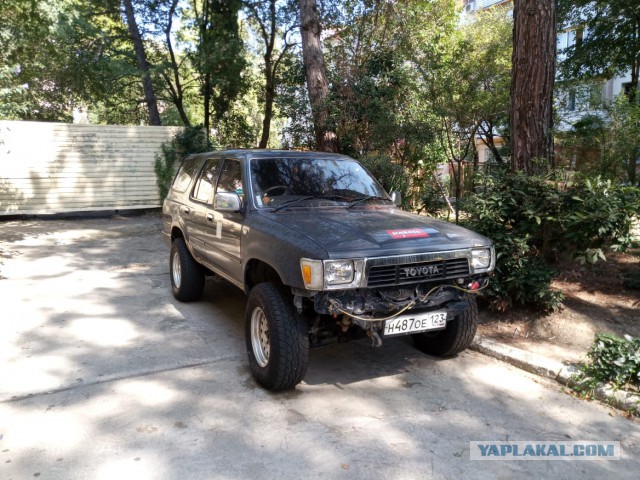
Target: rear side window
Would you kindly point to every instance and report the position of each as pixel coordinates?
(187, 171)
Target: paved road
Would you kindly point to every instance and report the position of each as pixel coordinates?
(104, 376)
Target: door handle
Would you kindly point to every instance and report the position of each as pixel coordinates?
(210, 217)
(186, 210)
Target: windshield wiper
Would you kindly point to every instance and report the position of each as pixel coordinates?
(371, 197)
(291, 202)
(334, 198)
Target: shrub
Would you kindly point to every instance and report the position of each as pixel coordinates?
(612, 360)
(518, 213)
(186, 141)
(598, 213)
(390, 175)
(534, 220)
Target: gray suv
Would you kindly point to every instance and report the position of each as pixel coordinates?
(324, 255)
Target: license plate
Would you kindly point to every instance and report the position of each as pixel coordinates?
(414, 323)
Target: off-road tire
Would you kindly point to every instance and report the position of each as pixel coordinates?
(277, 338)
(457, 337)
(187, 276)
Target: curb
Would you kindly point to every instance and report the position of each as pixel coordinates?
(553, 370)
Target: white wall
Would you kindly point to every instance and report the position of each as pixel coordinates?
(55, 168)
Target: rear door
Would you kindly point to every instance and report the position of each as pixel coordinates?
(201, 201)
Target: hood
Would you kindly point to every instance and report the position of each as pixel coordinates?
(376, 232)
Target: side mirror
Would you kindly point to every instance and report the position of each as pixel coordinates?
(227, 202)
(397, 198)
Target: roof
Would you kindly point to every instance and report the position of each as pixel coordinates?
(267, 153)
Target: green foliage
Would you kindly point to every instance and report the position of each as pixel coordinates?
(511, 210)
(390, 175)
(622, 147)
(431, 199)
(186, 141)
(597, 213)
(605, 144)
(219, 54)
(612, 360)
(611, 46)
(534, 220)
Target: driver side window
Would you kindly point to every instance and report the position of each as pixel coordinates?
(231, 178)
(203, 190)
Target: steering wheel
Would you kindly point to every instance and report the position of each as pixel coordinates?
(285, 190)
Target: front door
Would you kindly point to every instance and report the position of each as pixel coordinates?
(223, 229)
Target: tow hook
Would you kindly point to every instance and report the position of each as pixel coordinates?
(376, 341)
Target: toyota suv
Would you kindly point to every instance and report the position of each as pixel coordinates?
(323, 253)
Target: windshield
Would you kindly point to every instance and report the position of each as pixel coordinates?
(299, 181)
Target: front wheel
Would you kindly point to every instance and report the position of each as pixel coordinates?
(277, 339)
(457, 337)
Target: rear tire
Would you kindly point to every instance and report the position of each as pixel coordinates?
(277, 339)
(458, 335)
(187, 276)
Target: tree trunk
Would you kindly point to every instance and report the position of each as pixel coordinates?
(175, 86)
(206, 93)
(317, 83)
(143, 65)
(269, 96)
(533, 74)
(633, 95)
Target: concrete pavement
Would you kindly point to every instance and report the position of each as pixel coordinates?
(104, 375)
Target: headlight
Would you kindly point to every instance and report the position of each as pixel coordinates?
(331, 274)
(481, 259)
(338, 272)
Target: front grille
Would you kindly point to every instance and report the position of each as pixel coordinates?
(406, 274)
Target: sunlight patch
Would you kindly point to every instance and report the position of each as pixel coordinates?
(105, 332)
(148, 392)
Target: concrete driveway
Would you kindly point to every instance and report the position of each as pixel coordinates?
(104, 376)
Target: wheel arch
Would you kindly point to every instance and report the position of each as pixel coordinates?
(258, 271)
(176, 232)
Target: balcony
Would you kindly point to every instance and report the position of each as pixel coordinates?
(473, 5)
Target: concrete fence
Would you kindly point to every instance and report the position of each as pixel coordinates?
(59, 168)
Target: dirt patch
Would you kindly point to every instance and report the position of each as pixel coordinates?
(598, 299)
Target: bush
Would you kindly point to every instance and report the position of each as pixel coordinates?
(598, 213)
(188, 140)
(518, 213)
(534, 220)
(612, 360)
(390, 175)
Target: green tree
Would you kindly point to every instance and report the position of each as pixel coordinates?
(607, 45)
(272, 21)
(607, 40)
(464, 76)
(143, 64)
(37, 81)
(373, 103)
(219, 55)
(172, 66)
(488, 51)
